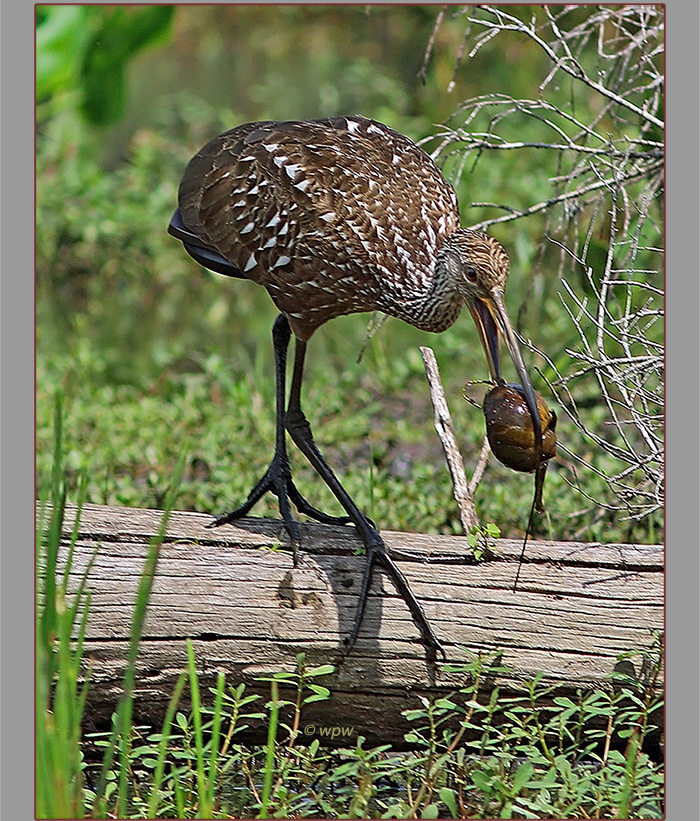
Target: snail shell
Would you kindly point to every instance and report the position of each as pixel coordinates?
(510, 432)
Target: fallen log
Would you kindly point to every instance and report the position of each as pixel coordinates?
(235, 592)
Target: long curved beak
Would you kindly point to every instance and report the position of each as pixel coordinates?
(492, 322)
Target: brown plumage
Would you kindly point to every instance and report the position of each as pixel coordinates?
(334, 217)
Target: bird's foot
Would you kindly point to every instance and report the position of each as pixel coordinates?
(377, 553)
(278, 480)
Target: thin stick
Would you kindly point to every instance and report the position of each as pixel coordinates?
(443, 425)
(481, 463)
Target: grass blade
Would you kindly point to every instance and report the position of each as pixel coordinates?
(270, 749)
(197, 719)
(121, 728)
(163, 747)
(215, 735)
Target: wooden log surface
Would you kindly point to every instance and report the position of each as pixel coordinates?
(235, 592)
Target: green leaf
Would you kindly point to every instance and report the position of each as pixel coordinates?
(320, 694)
(522, 776)
(412, 738)
(61, 34)
(446, 704)
(507, 810)
(321, 670)
(430, 811)
(481, 780)
(119, 35)
(449, 798)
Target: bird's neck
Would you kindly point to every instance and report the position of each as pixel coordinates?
(444, 299)
(441, 302)
(437, 302)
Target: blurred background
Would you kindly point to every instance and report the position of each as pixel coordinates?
(548, 121)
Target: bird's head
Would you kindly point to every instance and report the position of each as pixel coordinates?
(479, 266)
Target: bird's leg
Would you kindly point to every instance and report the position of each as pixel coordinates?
(300, 430)
(278, 477)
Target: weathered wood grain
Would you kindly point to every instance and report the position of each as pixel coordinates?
(235, 592)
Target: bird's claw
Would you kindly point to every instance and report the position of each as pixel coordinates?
(376, 552)
(278, 480)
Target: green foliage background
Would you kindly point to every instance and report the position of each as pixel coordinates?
(154, 354)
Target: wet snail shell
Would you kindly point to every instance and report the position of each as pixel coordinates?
(510, 432)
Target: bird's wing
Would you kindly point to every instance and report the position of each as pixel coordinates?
(339, 195)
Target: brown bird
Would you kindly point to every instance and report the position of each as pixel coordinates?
(334, 217)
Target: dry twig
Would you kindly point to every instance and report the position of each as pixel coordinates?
(463, 491)
(604, 215)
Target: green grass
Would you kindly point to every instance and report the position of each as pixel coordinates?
(153, 354)
(374, 422)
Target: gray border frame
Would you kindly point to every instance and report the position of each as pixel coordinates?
(17, 413)
(682, 403)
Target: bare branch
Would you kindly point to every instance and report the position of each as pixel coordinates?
(463, 492)
(567, 63)
(603, 216)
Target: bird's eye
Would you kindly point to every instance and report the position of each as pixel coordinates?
(470, 273)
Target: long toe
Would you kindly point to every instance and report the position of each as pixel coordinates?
(402, 586)
(261, 488)
(305, 507)
(277, 480)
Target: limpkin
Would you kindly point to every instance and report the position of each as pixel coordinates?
(338, 216)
